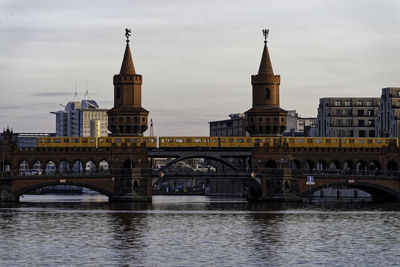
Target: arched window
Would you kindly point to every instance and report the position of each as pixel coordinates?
(118, 93)
(267, 93)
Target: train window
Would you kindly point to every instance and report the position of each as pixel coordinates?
(47, 140)
(56, 140)
(239, 140)
(214, 140)
(189, 140)
(335, 141)
(223, 140)
(127, 140)
(136, 140)
(101, 140)
(378, 141)
(66, 140)
(117, 140)
(257, 140)
(249, 140)
(84, 140)
(309, 141)
(179, 140)
(318, 141)
(328, 141)
(162, 140)
(360, 141)
(40, 140)
(369, 141)
(75, 140)
(291, 140)
(351, 141)
(108, 140)
(91, 140)
(300, 140)
(230, 140)
(197, 140)
(344, 141)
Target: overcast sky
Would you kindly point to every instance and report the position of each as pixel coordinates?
(196, 57)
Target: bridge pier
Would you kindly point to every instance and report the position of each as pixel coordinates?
(135, 186)
(279, 185)
(6, 194)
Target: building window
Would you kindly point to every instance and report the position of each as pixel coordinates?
(359, 103)
(370, 113)
(369, 103)
(360, 113)
(347, 103)
(360, 123)
(371, 123)
(337, 103)
(350, 112)
(338, 112)
(118, 93)
(361, 133)
(267, 94)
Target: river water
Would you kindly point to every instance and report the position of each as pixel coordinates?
(196, 231)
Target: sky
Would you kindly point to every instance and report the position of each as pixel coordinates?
(196, 57)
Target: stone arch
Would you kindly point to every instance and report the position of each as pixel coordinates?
(308, 164)
(334, 165)
(63, 167)
(104, 166)
(37, 165)
(23, 166)
(77, 167)
(361, 166)
(35, 186)
(378, 192)
(271, 164)
(374, 165)
(321, 165)
(348, 165)
(392, 165)
(90, 166)
(6, 167)
(294, 164)
(50, 167)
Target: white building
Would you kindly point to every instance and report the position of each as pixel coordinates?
(81, 118)
(297, 126)
(389, 113)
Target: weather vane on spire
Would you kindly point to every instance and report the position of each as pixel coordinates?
(127, 34)
(265, 33)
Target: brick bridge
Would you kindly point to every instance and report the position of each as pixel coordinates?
(124, 174)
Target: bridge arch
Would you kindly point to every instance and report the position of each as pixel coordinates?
(77, 167)
(64, 166)
(334, 164)
(50, 167)
(374, 165)
(379, 192)
(224, 162)
(104, 166)
(23, 165)
(308, 164)
(90, 166)
(392, 166)
(348, 165)
(321, 165)
(35, 186)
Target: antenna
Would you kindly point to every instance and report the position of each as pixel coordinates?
(86, 97)
(76, 98)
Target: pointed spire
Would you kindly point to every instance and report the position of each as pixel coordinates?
(265, 64)
(127, 63)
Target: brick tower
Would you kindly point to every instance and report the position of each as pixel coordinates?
(265, 118)
(127, 117)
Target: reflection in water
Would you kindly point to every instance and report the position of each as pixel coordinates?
(197, 231)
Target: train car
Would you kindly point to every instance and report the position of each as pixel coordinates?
(185, 141)
(66, 142)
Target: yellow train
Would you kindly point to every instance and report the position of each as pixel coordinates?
(270, 142)
(215, 142)
(95, 142)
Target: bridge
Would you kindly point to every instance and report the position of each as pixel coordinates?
(270, 174)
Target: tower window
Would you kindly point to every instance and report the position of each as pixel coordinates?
(267, 93)
(118, 93)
